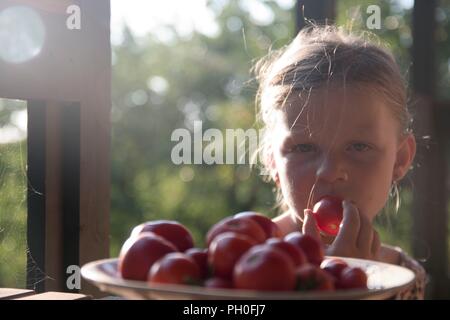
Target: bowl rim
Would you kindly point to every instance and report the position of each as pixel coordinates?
(94, 272)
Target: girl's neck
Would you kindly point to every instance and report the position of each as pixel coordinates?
(286, 223)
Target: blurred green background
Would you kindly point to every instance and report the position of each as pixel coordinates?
(166, 80)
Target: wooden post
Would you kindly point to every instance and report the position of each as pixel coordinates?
(36, 218)
(429, 193)
(95, 128)
(67, 87)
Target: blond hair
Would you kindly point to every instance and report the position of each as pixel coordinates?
(321, 56)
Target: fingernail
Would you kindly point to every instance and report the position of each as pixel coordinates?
(348, 202)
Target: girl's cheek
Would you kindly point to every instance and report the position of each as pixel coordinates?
(299, 178)
(297, 168)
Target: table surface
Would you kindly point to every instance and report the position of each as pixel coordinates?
(25, 294)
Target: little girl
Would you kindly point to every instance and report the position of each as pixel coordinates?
(336, 122)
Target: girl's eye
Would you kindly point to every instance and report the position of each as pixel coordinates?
(360, 147)
(304, 148)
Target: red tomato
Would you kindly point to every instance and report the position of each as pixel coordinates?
(219, 283)
(175, 268)
(139, 253)
(311, 247)
(270, 228)
(172, 231)
(311, 277)
(242, 225)
(225, 250)
(264, 268)
(295, 253)
(200, 256)
(328, 214)
(334, 266)
(352, 278)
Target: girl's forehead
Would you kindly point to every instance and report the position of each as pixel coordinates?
(332, 109)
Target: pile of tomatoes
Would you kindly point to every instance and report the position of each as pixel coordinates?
(245, 251)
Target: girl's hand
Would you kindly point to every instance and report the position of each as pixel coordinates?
(356, 237)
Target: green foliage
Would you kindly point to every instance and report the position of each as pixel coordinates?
(208, 80)
(395, 226)
(12, 215)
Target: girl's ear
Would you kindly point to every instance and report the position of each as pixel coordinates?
(405, 156)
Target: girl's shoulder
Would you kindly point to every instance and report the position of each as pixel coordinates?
(395, 255)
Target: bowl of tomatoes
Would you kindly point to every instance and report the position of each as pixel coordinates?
(245, 257)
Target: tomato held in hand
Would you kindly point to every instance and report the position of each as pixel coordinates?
(264, 268)
(311, 247)
(328, 214)
(311, 277)
(225, 250)
(139, 253)
(241, 225)
(172, 231)
(175, 268)
(352, 278)
(270, 228)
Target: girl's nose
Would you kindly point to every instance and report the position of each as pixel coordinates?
(331, 169)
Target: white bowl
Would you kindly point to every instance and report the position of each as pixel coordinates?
(384, 281)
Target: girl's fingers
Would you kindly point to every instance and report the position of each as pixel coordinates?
(310, 225)
(356, 237)
(349, 228)
(365, 236)
(376, 245)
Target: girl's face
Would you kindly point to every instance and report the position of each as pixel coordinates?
(337, 144)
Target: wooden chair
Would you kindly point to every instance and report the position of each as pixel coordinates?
(67, 90)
